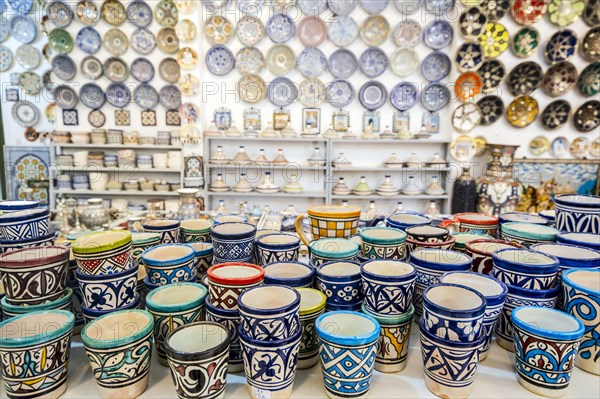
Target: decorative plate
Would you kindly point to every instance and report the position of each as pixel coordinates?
(373, 62)
(312, 7)
(469, 57)
(146, 96)
(375, 30)
(525, 41)
(522, 111)
(65, 97)
(23, 28)
(463, 148)
(64, 67)
(492, 109)
(565, 12)
(372, 95)
(471, 23)
(143, 41)
(88, 12)
(595, 148)
(96, 118)
(4, 29)
(589, 80)
(374, 7)
(492, 74)
(218, 29)
(494, 40)
(190, 113)
(342, 7)
(167, 40)
(118, 94)
(404, 61)
(407, 7)
(559, 147)
(219, 60)
(404, 96)
(250, 60)
(312, 93)
(556, 114)
(343, 31)
(494, 10)
(539, 145)
(311, 31)
(28, 56)
(407, 33)
(438, 34)
(186, 30)
(139, 14)
(20, 7)
(113, 12)
(250, 6)
(187, 58)
(250, 30)
(91, 68)
(580, 147)
(559, 79)
(281, 59)
(169, 70)
(25, 113)
(30, 82)
(524, 78)
(92, 96)
(468, 85)
(142, 70)
(116, 70)
(311, 62)
(282, 92)
(439, 7)
(528, 12)
(340, 93)
(252, 89)
(561, 46)
(342, 63)
(88, 40)
(435, 96)
(587, 116)
(166, 13)
(466, 117)
(116, 42)
(590, 45)
(280, 28)
(591, 13)
(60, 41)
(436, 66)
(59, 13)
(189, 85)
(6, 58)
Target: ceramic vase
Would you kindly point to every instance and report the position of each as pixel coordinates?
(141, 242)
(204, 256)
(233, 242)
(383, 243)
(108, 291)
(341, 282)
(25, 224)
(474, 223)
(312, 305)
(92, 314)
(525, 268)
(227, 281)
(388, 287)
(526, 234)
(578, 213)
(168, 229)
(292, 274)
(170, 263)
(332, 249)
(103, 253)
(327, 221)
(403, 220)
(277, 248)
(195, 230)
(481, 252)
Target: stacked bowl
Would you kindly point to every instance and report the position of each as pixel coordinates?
(341, 282)
(233, 242)
(24, 225)
(428, 237)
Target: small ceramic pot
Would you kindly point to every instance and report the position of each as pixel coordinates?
(29, 223)
(570, 256)
(141, 242)
(233, 242)
(204, 256)
(277, 248)
(403, 220)
(43, 241)
(428, 234)
(394, 340)
(108, 291)
(462, 239)
(481, 252)
(347, 335)
(578, 213)
(270, 313)
(341, 282)
(332, 249)
(525, 268)
(526, 234)
(124, 335)
(230, 219)
(170, 263)
(231, 320)
(588, 240)
(521, 217)
(388, 287)
(197, 230)
(172, 306)
(542, 368)
(168, 229)
(581, 289)
(91, 314)
(264, 379)
(412, 245)
(10, 206)
(103, 253)
(40, 343)
(473, 223)
(63, 303)
(383, 243)
(198, 356)
(312, 305)
(33, 276)
(328, 221)
(227, 281)
(292, 274)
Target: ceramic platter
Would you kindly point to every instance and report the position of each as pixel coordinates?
(167, 40)
(23, 28)
(280, 28)
(92, 96)
(343, 31)
(561, 46)
(60, 41)
(467, 86)
(528, 12)
(404, 96)
(466, 117)
(169, 70)
(250, 60)
(342, 63)
(166, 13)
(342, 7)
(170, 97)
(311, 62)
(340, 93)
(142, 70)
(587, 116)
(556, 114)
(404, 61)
(64, 67)
(91, 68)
(492, 74)
(4, 29)
(28, 56)
(373, 62)
(469, 57)
(372, 95)
(281, 59)
(30, 82)
(87, 12)
(524, 78)
(88, 40)
(559, 79)
(495, 10)
(438, 7)
(590, 45)
(59, 13)
(25, 113)
(438, 34)
(65, 97)
(252, 89)
(525, 42)
(250, 30)
(115, 69)
(407, 33)
(522, 111)
(374, 7)
(311, 31)
(142, 41)
(312, 93)
(436, 66)
(588, 82)
(494, 40)
(471, 23)
(218, 29)
(146, 96)
(139, 14)
(118, 94)
(375, 30)
(435, 96)
(113, 12)
(96, 118)
(219, 60)
(282, 92)
(492, 109)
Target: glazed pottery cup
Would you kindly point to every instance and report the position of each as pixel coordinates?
(28, 223)
(273, 378)
(428, 234)
(525, 268)
(341, 282)
(383, 243)
(412, 245)
(277, 248)
(578, 213)
(204, 256)
(332, 249)
(62, 303)
(473, 223)
(342, 336)
(168, 229)
(141, 242)
(581, 291)
(196, 230)
(91, 314)
(404, 220)
(35, 349)
(233, 242)
(103, 253)
(588, 240)
(549, 215)
(481, 252)
(570, 256)
(198, 356)
(546, 345)
(388, 286)
(170, 263)
(172, 306)
(329, 221)
(394, 340)
(231, 320)
(292, 274)
(312, 305)
(43, 241)
(108, 291)
(526, 234)
(227, 281)
(33, 276)
(125, 335)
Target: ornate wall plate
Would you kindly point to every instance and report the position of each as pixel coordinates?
(312, 7)
(187, 58)
(590, 45)
(250, 60)
(282, 92)
(113, 12)
(312, 93)
(249, 6)
(219, 60)
(92, 96)
(494, 9)
(468, 86)
(559, 147)
(561, 46)
(167, 40)
(375, 30)
(492, 109)
(374, 7)
(311, 62)
(280, 28)
(250, 30)
(28, 56)
(342, 63)
(166, 13)
(30, 82)
(146, 96)
(525, 42)
(343, 31)
(91, 68)
(340, 93)
(565, 12)
(169, 70)
(25, 113)
(404, 61)
(469, 57)
(556, 114)
(118, 94)
(539, 145)
(492, 74)
(59, 13)
(463, 148)
(342, 7)
(143, 41)
(6, 58)
(88, 40)
(438, 34)
(96, 118)
(186, 30)
(189, 85)
(522, 111)
(23, 28)
(587, 116)
(311, 31)
(218, 29)
(494, 40)
(373, 62)
(281, 59)
(591, 13)
(559, 79)
(116, 70)
(407, 33)
(435, 96)
(580, 147)
(471, 23)
(60, 41)
(64, 67)
(88, 12)
(252, 89)
(373, 95)
(524, 78)
(466, 117)
(116, 42)
(139, 14)
(439, 7)
(589, 80)
(595, 148)
(436, 66)
(404, 96)
(528, 12)
(142, 70)
(65, 97)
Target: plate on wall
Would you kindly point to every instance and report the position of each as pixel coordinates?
(64, 67)
(373, 62)
(146, 96)
(466, 117)
(6, 58)
(559, 79)
(588, 82)
(311, 31)
(116, 70)
(587, 116)
(218, 30)
(59, 13)
(436, 66)
(30, 82)
(113, 12)
(186, 30)
(219, 60)
(372, 95)
(282, 92)
(374, 7)
(280, 28)
(561, 46)
(116, 42)
(471, 23)
(170, 97)
(250, 60)
(565, 12)
(468, 85)
(494, 40)
(580, 147)
(435, 96)
(167, 40)
(590, 45)
(407, 33)
(556, 114)
(187, 58)
(281, 59)
(492, 109)
(142, 70)
(342, 7)
(91, 68)
(494, 10)
(60, 41)
(166, 13)
(342, 63)
(438, 34)
(28, 56)
(118, 94)
(525, 42)
(340, 93)
(524, 78)
(143, 41)
(25, 113)
(539, 145)
(311, 62)
(375, 30)
(88, 40)
(312, 93)
(96, 118)
(88, 12)
(528, 12)
(404, 61)
(469, 57)
(559, 147)
(312, 7)
(250, 30)
(343, 31)
(139, 14)
(65, 97)
(492, 73)
(252, 89)
(522, 111)
(169, 70)
(404, 96)
(23, 28)
(591, 13)
(92, 96)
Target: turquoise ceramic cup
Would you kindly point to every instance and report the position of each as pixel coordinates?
(383, 243)
(332, 249)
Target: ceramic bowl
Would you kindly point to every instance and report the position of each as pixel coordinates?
(578, 213)
(383, 243)
(141, 242)
(230, 219)
(172, 306)
(39, 342)
(277, 248)
(28, 223)
(341, 282)
(481, 252)
(428, 234)
(412, 245)
(196, 230)
(226, 281)
(43, 241)
(126, 335)
(9, 206)
(204, 256)
(91, 314)
(537, 333)
(269, 313)
(549, 215)
(104, 252)
(581, 289)
(525, 268)
(570, 256)
(291, 274)
(462, 239)
(230, 319)
(312, 305)
(403, 220)
(233, 242)
(345, 335)
(198, 356)
(587, 240)
(521, 217)
(62, 303)
(170, 263)
(472, 223)
(527, 234)
(387, 286)
(168, 229)
(108, 291)
(332, 249)
(33, 276)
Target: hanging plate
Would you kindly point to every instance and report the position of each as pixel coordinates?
(522, 111)
(113, 12)
(468, 86)
(591, 13)
(494, 40)
(28, 56)
(116, 70)
(469, 57)
(375, 30)
(436, 66)
(561, 46)
(342, 7)
(565, 12)
(116, 42)
(30, 82)
(166, 13)
(139, 14)
(250, 30)
(590, 45)
(463, 148)
(312, 93)
(374, 7)
(340, 93)
(525, 41)
(492, 109)
(404, 96)
(281, 59)
(23, 28)
(282, 92)
(143, 41)
(492, 74)
(312, 7)
(559, 79)
(311, 31)
(96, 118)
(435, 96)
(218, 29)
(59, 13)
(170, 97)
(556, 114)
(372, 95)
(438, 34)
(146, 96)
(167, 40)
(64, 67)
(169, 70)
(142, 70)
(528, 12)
(471, 23)
(311, 62)
(219, 60)
(92, 96)
(404, 61)
(559, 147)
(539, 145)
(25, 113)
(466, 117)
(494, 9)
(60, 41)
(587, 117)
(88, 12)
(589, 80)
(343, 31)
(6, 58)
(407, 33)
(373, 62)
(91, 68)
(342, 63)
(524, 78)
(65, 97)
(252, 89)
(280, 28)
(118, 94)
(250, 60)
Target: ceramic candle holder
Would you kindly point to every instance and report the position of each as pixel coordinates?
(198, 356)
(328, 221)
(62, 303)
(347, 335)
(103, 253)
(227, 281)
(341, 282)
(525, 268)
(126, 335)
(312, 305)
(233, 242)
(108, 291)
(35, 350)
(28, 223)
(292, 274)
(231, 320)
(542, 368)
(197, 230)
(428, 234)
(204, 256)
(42, 241)
(34, 276)
(588, 240)
(141, 242)
(170, 263)
(481, 252)
(91, 314)
(383, 243)
(578, 213)
(388, 286)
(277, 248)
(332, 249)
(473, 223)
(581, 290)
(412, 245)
(172, 306)
(526, 234)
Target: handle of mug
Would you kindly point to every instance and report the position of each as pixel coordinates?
(300, 229)
(451, 224)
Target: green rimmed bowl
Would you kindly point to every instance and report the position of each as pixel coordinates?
(63, 303)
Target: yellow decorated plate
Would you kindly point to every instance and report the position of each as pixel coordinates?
(494, 40)
(522, 111)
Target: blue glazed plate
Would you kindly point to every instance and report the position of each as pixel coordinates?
(142, 70)
(561, 46)
(59, 13)
(282, 92)
(438, 34)
(343, 31)
(88, 40)
(342, 7)
(170, 97)
(311, 62)
(118, 94)
(23, 28)
(20, 7)
(220, 60)
(145, 96)
(280, 28)
(374, 7)
(65, 97)
(64, 67)
(92, 96)
(436, 66)
(404, 96)
(469, 57)
(139, 14)
(373, 62)
(372, 95)
(435, 96)
(312, 7)
(342, 63)
(340, 93)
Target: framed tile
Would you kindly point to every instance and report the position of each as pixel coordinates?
(173, 118)
(11, 94)
(70, 117)
(122, 117)
(24, 166)
(149, 118)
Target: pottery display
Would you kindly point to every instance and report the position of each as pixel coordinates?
(141, 242)
(168, 229)
(62, 303)
(197, 230)
(341, 282)
(233, 242)
(387, 287)
(291, 274)
(471, 222)
(227, 281)
(383, 243)
(405, 219)
(578, 213)
(24, 224)
(204, 256)
(108, 291)
(231, 320)
(525, 268)
(277, 248)
(104, 252)
(481, 251)
(527, 234)
(329, 221)
(332, 249)
(312, 305)
(170, 263)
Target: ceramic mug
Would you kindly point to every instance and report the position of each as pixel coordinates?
(141, 242)
(312, 305)
(227, 281)
(62, 303)
(481, 252)
(524, 268)
(526, 234)
(403, 220)
(28, 223)
(170, 263)
(474, 223)
(342, 284)
(329, 221)
(428, 234)
(204, 256)
(383, 243)
(104, 252)
(277, 248)
(578, 213)
(291, 274)
(108, 291)
(387, 287)
(195, 230)
(168, 229)
(233, 242)
(231, 320)
(588, 240)
(332, 249)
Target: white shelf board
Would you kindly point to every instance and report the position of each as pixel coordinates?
(385, 169)
(267, 139)
(92, 169)
(120, 146)
(306, 194)
(120, 193)
(388, 141)
(392, 197)
(289, 166)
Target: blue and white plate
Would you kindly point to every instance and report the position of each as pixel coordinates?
(219, 60)
(561, 46)
(248, 7)
(23, 28)
(118, 94)
(343, 31)
(6, 58)
(282, 92)
(91, 67)
(92, 96)
(342, 63)
(439, 7)
(64, 67)
(311, 62)
(20, 7)
(4, 29)
(146, 96)
(342, 7)
(170, 97)
(139, 14)
(438, 34)
(143, 41)
(372, 95)
(59, 13)
(312, 7)
(436, 66)
(142, 70)
(65, 97)
(374, 7)
(373, 62)
(435, 96)
(340, 93)
(280, 28)
(408, 7)
(404, 96)
(88, 40)
(469, 57)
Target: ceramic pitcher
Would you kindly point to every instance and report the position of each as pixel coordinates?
(329, 221)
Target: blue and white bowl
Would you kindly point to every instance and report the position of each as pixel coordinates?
(230, 319)
(277, 248)
(527, 234)
(9, 206)
(521, 217)
(327, 250)
(91, 314)
(403, 220)
(26, 224)
(525, 268)
(571, 256)
(578, 213)
(233, 242)
(291, 274)
(549, 215)
(388, 286)
(168, 229)
(204, 256)
(43, 241)
(588, 240)
(341, 282)
(170, 263)
(108, 291)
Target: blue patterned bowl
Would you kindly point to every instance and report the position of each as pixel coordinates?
(587, 240)
(521, 217)
(292, 274)
(233, 242)
(231, 319)
(578, 213)
(527, 234)
(383, 243)
(341, 283)
(195, 230)
(170, 263)
(63, 303)
(204, 256)
(108, 291)
(168, 229)
(26, 224)
(43, 241)
(91, 314)
(10, 206)
(388, 286)
(525, 268)
(277, 248)
(403, 220)
(332, 249)
(570, 256)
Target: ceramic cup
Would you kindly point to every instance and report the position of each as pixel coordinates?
(28, 223)
(570, 256)
(231, 320)
(108, 291)
(198, 356)
(9, 206)
(526, 234)
(578, 213)
(412, 245)
(388, 286)
(126, 335)
(91, 314)
(35, 350)
(233, 242)
(170, 263)
(277, 248)
(292, 274)
(332, 249)
(403, 220)
(312, 305)
(581, 291)
(141, 242)
(481, 252)
(342, 284)
(204, 256)
(347, 335)
(62, 303)
(473, 223)
(525, 268)
(103, 253)
(428, 234)
(588, 240)
(521, 217)
(195, 230)
(383, 243)
(43, 241)
(172, 306)
(542, 368)
(226, 281)
(329, 221)
(168, 229)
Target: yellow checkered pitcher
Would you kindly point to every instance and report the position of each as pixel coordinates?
(329, 221)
